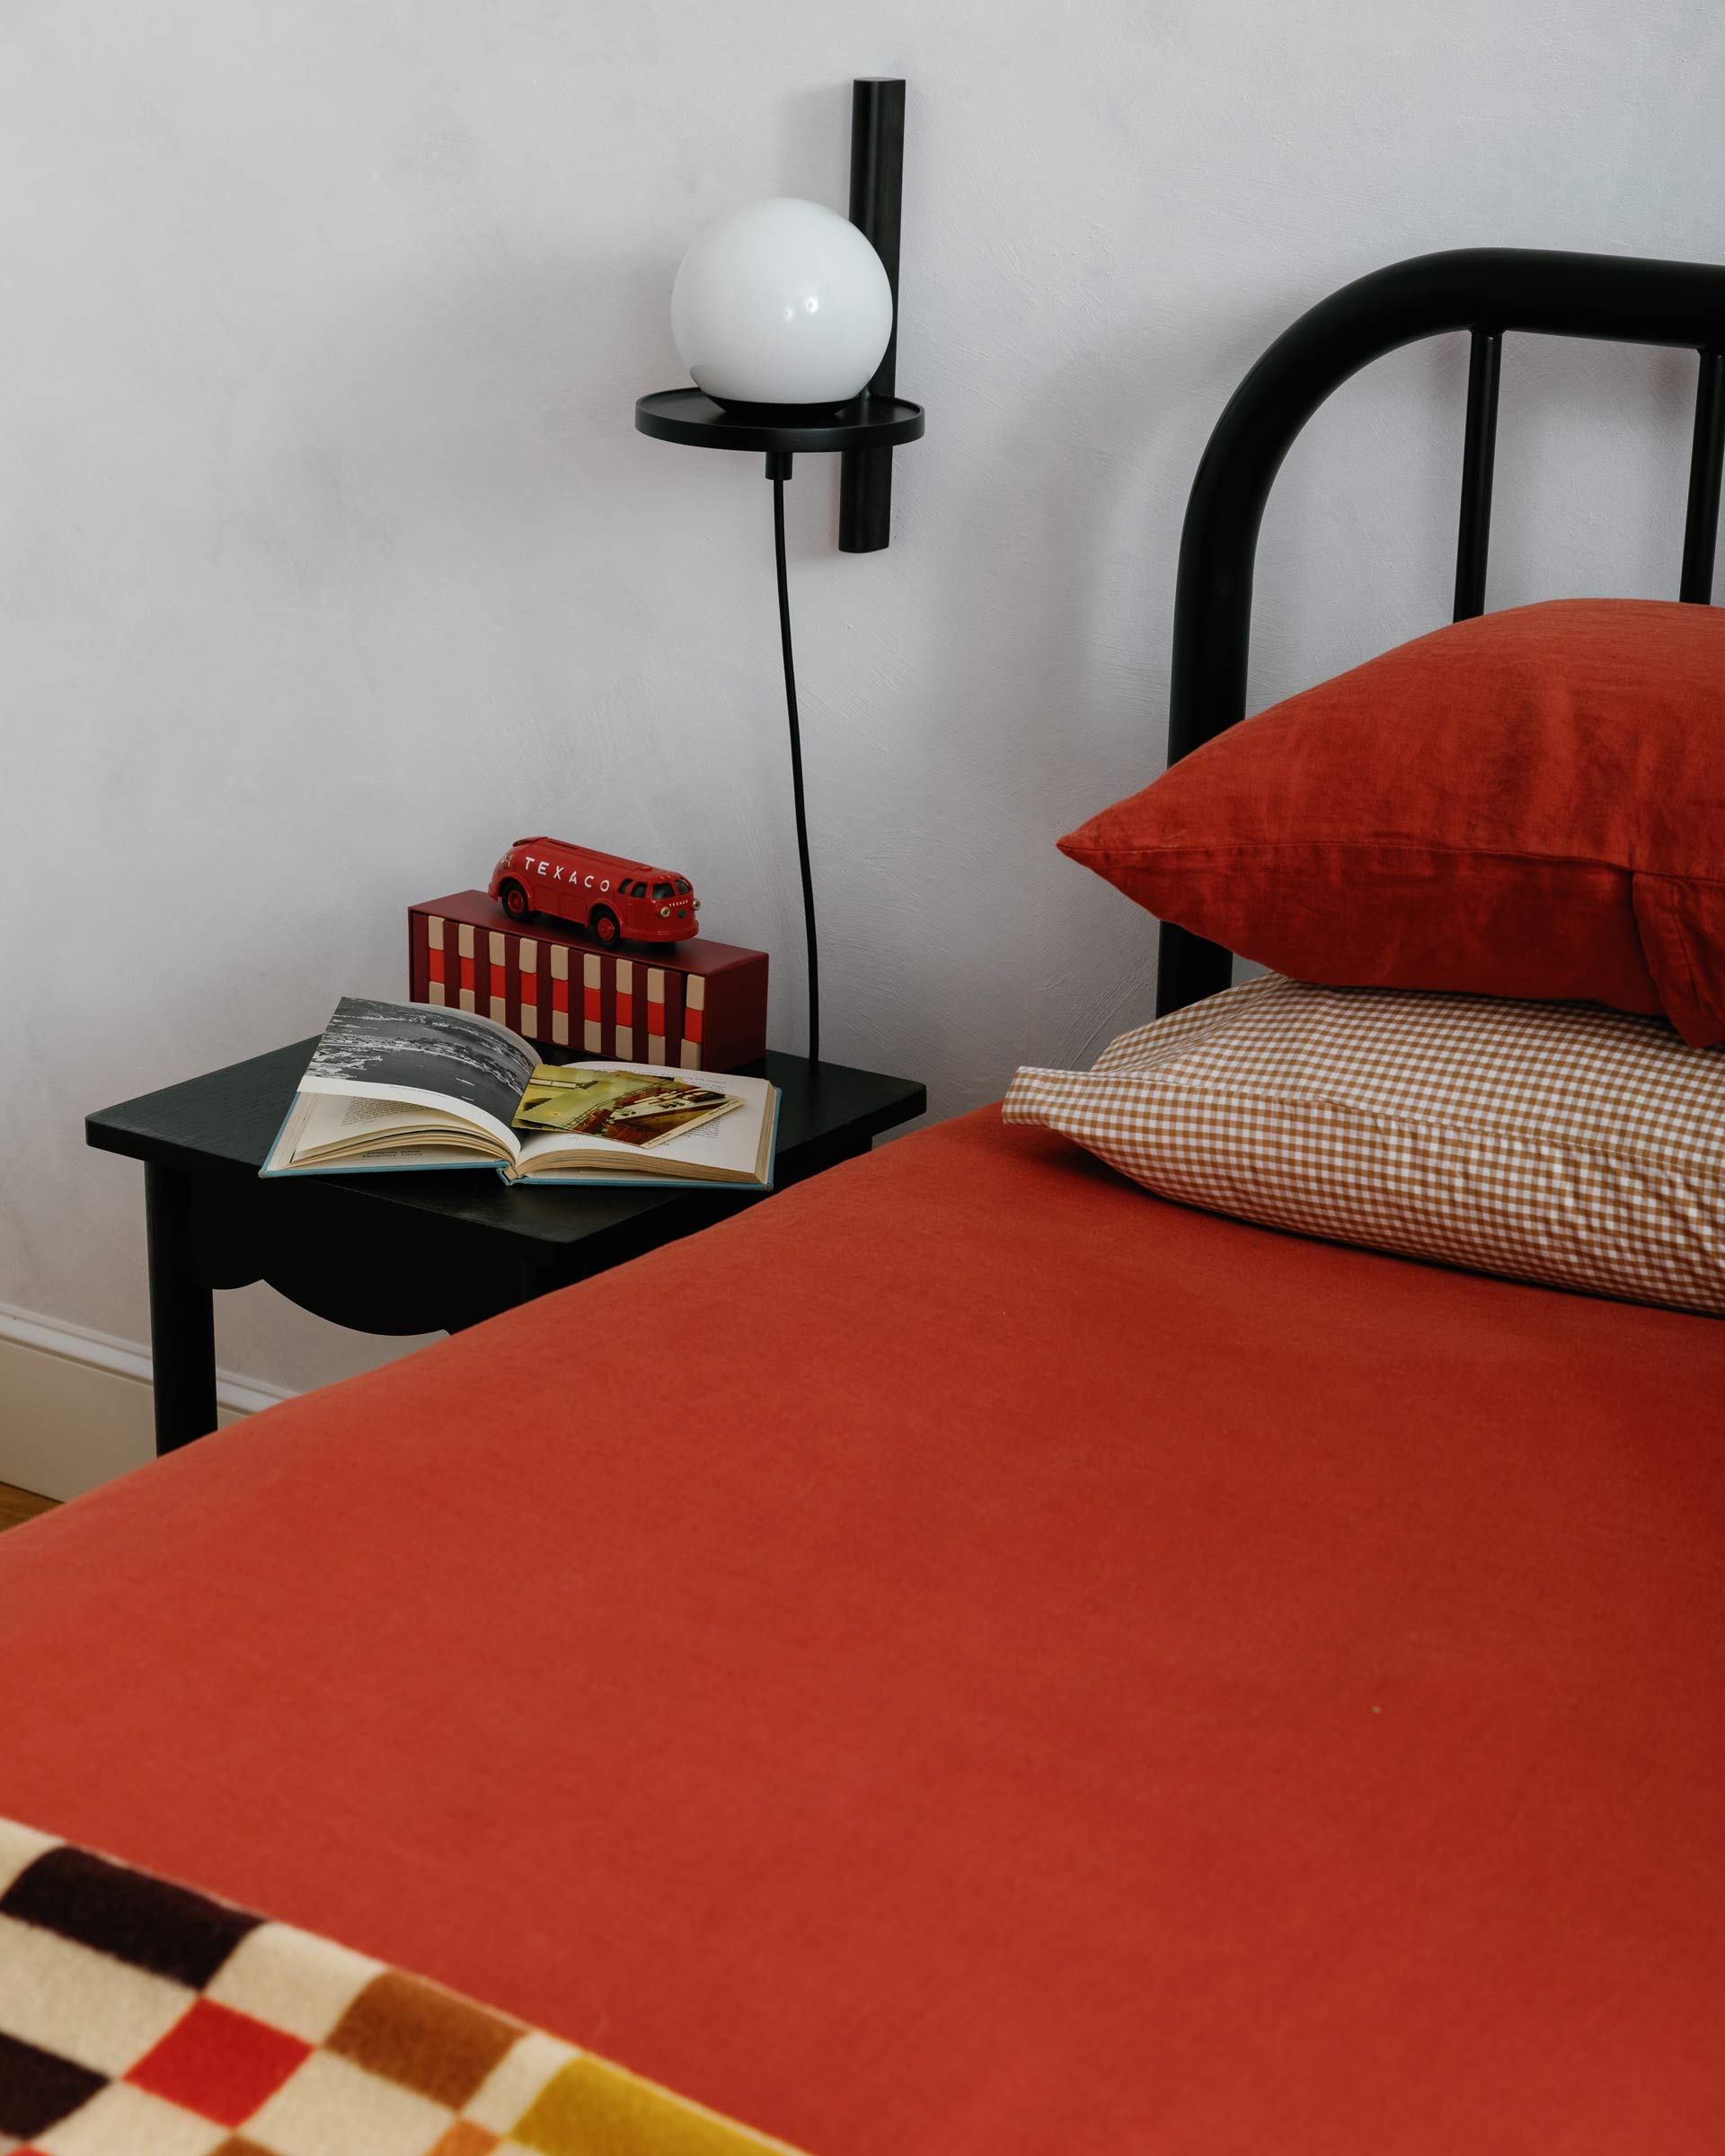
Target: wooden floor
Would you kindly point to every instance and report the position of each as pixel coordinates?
(17, 1506)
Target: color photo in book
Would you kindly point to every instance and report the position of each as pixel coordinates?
(620, 1104)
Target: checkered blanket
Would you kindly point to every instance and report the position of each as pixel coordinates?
(139, 2019)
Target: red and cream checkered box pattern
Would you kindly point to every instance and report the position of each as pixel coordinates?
(1558, 1143)
(693, 1006)
(141, 2019)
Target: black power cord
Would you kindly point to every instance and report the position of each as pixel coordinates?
(778, 477)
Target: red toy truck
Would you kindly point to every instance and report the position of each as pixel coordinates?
(614, 897)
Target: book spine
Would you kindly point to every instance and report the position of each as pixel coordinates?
(624, 1028)
(694, 1007)
(529, 977)
(655, 1014)
(560, 995)
(434, 976)
(593, 1003)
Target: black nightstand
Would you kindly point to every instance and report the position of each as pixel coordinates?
(406, 1253)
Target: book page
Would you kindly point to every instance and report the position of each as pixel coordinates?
(332, 1133)
(584, 1101)
(423, 1054)
(354, 1127)
(728, 1143)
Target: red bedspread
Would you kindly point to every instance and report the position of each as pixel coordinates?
(967, 1660)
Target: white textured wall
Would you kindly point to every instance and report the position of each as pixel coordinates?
(329, 561)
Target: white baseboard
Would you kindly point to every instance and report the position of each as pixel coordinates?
(76, 1407)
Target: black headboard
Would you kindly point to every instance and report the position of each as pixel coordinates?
(1486, 290)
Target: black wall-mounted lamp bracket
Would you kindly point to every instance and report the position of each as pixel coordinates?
(877, 202)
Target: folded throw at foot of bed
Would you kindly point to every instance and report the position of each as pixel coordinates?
(137, 2015)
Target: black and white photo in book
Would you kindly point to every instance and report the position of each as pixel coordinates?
(458, 1053)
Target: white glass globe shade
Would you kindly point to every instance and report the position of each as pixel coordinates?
(782, 301)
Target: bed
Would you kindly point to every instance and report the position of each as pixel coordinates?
(1094, 1675)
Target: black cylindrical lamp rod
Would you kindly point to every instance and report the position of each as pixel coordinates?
(877, 204)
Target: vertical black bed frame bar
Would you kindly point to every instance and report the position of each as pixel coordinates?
(1626, 299)
(1479, 447)
(877, 202)
(1701, 526)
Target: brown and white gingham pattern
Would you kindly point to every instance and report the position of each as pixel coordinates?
(1559, 1143)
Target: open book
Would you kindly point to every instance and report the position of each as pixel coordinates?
(413, 1085)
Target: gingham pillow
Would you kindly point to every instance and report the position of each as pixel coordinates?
(1559, 1142)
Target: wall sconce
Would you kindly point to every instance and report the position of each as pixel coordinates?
(787, 318)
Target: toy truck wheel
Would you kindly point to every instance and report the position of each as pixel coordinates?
(604, 924)
(515, 901)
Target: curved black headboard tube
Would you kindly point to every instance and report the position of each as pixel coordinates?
(1485, 290)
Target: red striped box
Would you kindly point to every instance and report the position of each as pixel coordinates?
(694, 1006)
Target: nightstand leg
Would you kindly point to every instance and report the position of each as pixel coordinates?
(182, 1318)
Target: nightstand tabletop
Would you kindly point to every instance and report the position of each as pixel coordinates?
(227, 1120)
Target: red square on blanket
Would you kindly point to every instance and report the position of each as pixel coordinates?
(219, 2064)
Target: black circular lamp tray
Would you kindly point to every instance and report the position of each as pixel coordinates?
(866, 422)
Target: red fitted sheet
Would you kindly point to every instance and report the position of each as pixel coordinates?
(1012, 1667)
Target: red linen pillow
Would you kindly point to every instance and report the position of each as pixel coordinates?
(1530, 804)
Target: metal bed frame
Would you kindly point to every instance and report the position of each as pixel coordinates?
(1486, 291)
